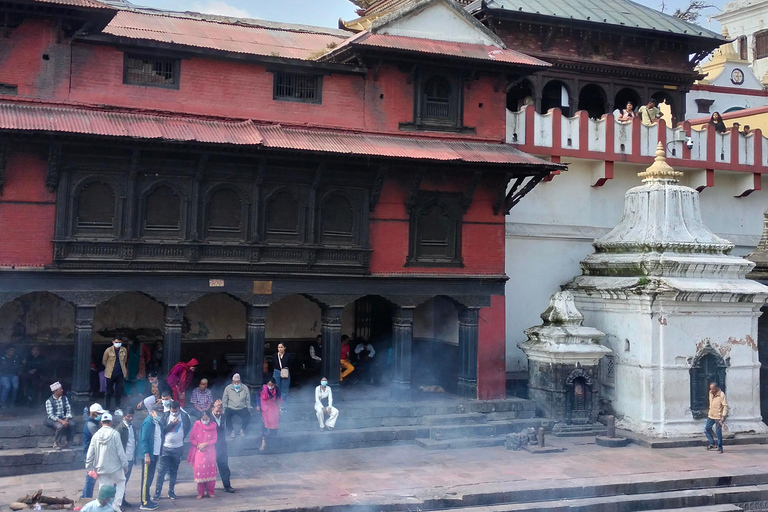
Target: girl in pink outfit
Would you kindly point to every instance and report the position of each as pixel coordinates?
(271, 401)
(202, 456)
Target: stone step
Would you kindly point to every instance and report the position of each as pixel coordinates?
(511, 415)
(668, 500)
(458, 419)
(480, 430)
(24, 462)
(706, 508)
(466, 443)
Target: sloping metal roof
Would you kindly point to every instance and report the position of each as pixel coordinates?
(35, 117)
(244, 38)
(87, 4)
(624, 13)
(436, 47)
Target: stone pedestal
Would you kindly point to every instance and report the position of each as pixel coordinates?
(563, 358)
(677, 310)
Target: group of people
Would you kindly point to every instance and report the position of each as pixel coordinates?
(716, 120)
(648, 114)
(364, 355)
(22, 373)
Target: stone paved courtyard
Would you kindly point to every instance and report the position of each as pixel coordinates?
(408, 475)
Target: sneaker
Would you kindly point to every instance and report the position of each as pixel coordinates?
(242, 433)
(172, 495)
(151, 505)
(156, 497)
(229, 489)
(232, 435)
(720, 450)
(126, 504)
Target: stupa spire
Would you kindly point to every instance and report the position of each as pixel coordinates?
(660, 169)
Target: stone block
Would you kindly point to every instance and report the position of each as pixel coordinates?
(611, 442)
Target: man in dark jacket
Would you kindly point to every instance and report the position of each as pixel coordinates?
(129, 439)
(92, 425)
(176, 426)
(222, 458)
(150, 443)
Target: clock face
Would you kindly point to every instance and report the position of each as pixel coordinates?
(737, 76)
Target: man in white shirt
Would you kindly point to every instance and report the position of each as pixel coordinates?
(128, 438)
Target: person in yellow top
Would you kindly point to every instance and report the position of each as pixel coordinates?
(718, 410)
(115, 360)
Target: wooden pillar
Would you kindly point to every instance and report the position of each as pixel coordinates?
(468, 338)
(174, 316)
(402, 340)
(255, 329)
(331, 330)
(81, 375)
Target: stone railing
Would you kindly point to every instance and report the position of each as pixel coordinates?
(610, 141)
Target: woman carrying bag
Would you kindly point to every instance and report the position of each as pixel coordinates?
(282, 365)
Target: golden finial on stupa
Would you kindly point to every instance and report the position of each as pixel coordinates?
(660, 169)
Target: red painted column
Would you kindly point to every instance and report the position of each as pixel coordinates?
(492, 351)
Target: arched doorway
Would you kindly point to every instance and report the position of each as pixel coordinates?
(519, 95)
(370, 338)
(593, 100)
(436, 344)
(556, 95)
(707, 367)
(624, 96)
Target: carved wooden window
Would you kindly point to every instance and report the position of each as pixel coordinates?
(151, 71)
(225, 214)
(298, 87)
(435, 230)
(337, 221)
(282, 217)
(96, 205)
(439, 102)
(708, 367)
(163, 211)
(761, 44)
(743, 53)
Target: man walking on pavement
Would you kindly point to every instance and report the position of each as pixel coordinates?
(106, 458)
(718, 410)
(128, 439)
(176, 427)
(115, 361)
(222, 458)
(150, 444)
(92, 425)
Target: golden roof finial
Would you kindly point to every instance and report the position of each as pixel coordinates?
(660, 169)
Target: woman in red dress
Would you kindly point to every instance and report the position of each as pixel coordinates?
(179, 379)
(271, 401)
(202, 456)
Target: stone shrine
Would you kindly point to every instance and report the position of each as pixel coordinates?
(563, 358)
(677, 311)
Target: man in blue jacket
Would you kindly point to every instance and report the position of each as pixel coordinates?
(92, 425)
(150, 443)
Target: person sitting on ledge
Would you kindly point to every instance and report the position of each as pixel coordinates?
(323, 393)
(59, 417)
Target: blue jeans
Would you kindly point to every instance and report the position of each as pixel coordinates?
(9, 382)
(90, 483)
(718, 429)
(282, 384)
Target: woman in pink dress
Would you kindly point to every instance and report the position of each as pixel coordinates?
(202, 456)
(179, 378)
(271, 401)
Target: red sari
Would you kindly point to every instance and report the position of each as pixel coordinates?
(270, 407)
(179, 379)
(203, 462)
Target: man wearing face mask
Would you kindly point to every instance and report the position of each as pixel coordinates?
(324, 406)
(128, 439)
(222, 458)
(176, 427)
(154, 388)
(115, 362)
(92, 425)
(106, 459)
(236, 402)
(150, 443)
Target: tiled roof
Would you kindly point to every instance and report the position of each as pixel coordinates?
(624, 13)
(225, 34)
(67, 119)
(436, 47)
(86, 4)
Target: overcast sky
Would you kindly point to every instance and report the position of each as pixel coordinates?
(326, 13)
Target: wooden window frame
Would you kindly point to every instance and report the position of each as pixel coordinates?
(456, 103)
(425, 199)
(317, 100)
(761, 44)
(127, 56)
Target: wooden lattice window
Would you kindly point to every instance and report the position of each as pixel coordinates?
(96, 208)
(225, 213)
(743, 49)
(761, 44)
(337, 222)
(298, 87)
(439, 102)
(435, 230)
(151, 71)
(282, 217)
(163, 211)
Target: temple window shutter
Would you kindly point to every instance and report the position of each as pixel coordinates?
(225, 212)
(96, 207)
(282, 217)
(163, 212)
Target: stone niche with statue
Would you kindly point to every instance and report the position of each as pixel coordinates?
(677, 310)
(563, 361)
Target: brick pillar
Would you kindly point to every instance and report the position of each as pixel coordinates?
(256, 327)
(174, 316)
(331, 330)
(468, 353)
(402, 340)
(81, 375)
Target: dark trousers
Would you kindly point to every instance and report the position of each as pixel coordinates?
(718, 430)
(222, 461)
(115, 387)
(60, 432)
(243, 414)
(168, 464)
(90, 483)
(147, 475)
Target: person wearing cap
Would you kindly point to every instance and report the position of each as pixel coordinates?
(103, 502)
(236, 402)
(222, 457)
(59, 417)
(115, 359)
(92, 425)
(150, 443)
(106, 458)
